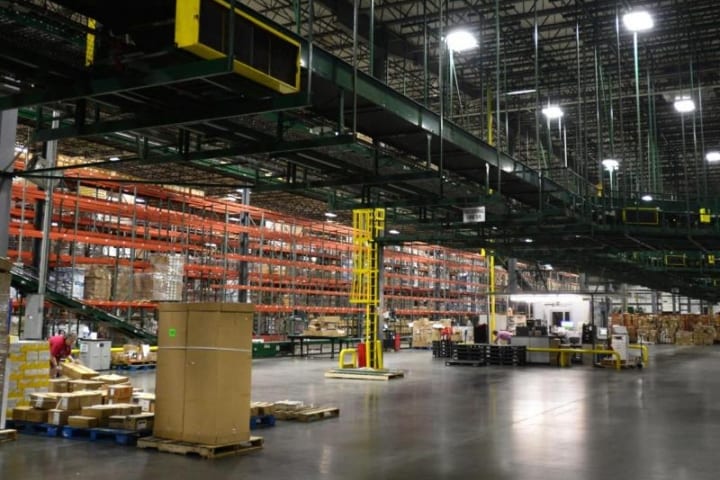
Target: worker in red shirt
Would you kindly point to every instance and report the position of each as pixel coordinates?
(60, 349)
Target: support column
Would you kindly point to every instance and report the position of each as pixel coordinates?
(244, 249)
(8, 131)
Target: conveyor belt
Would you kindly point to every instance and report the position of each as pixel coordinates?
(26, 283)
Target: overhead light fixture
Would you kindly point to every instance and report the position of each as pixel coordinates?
(20, 148)
(552, 112)
(461, 41)
(392, 231)
(638, 21)
(240, 190)
(331, 214)
(114, 159)
(646, 198)
(713, 156)
(684, 104)
(522, 92)
(230, 198)
(529, 240)
(139, 200)
(610, 164)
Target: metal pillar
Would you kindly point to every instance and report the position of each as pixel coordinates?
(244, 248)
(8, 130)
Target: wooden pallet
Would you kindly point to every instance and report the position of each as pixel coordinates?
(8, 436)
(314, 414)
(204, 451)
(364, 374)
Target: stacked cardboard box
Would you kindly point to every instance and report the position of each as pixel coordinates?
(5, 267)
(133, 354)
(27, 371)
(203, 373)
(422, 332)
(124, 284)
(704, 334)
(75, 371)
(683, 338)
(326, 327)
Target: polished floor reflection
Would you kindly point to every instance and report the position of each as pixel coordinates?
(445, 422)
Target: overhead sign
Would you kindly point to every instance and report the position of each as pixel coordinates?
(474, 215)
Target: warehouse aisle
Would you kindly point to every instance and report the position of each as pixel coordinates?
(442, 422)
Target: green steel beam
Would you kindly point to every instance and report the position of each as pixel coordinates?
(252, 149)
(105, 86)
(176, 117)
(346, 181)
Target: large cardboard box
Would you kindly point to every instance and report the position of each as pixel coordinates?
(211, 344)
(76, 371)
(170, 377)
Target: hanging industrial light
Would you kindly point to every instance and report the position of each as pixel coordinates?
(684, 104)
(461, 41)
(638, 21)
(552, 112)
(712, 156)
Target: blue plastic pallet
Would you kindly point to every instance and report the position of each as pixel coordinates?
(133, 368)
(34, 428)
(261, 421)
(121, 437)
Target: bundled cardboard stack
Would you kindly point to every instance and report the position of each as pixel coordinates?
(164, 282)
(422, 333)
(68, 281)
(98, 283)
(203, 373)
(110, 406)
(28, 370)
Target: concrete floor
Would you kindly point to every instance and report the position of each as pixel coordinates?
(662, 422)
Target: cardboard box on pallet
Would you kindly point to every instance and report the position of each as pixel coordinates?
(211, 344)
(35, 415)
(59, 385)
(20, 413)
(43, 401)
(111, 379)
(76, 371)
(141, 421)
(78, 385)
(146, 401)
(78, 400)
(59, 417)
(79, 421)
(120, 393)
(103, 412)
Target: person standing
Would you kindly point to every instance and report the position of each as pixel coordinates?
(60, 349)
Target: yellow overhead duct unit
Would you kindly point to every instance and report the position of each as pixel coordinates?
(261, 53)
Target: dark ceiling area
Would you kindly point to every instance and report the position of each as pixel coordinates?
(388, 116)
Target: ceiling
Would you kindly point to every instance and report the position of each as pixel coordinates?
(547, 196)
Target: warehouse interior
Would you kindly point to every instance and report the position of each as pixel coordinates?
(559, 163)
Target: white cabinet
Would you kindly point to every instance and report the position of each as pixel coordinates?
(95, 354)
